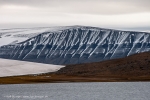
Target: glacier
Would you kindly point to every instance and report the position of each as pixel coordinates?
(75, 45)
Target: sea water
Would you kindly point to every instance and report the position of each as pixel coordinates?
(77, 91)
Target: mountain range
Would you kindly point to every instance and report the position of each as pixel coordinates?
(71, 44)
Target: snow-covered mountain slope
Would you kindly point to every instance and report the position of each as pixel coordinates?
(12, 36)
(13, 68)
(78, 44)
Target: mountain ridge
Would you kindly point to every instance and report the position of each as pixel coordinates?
(77, 44)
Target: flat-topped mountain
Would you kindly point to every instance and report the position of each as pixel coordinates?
(74, 45)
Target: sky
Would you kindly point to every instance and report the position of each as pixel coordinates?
(122, 14)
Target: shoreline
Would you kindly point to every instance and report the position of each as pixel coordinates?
(54, 78)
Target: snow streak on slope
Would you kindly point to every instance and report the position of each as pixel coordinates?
(13, 68)
(78, 44)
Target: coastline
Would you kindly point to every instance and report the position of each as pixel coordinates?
(53, 78)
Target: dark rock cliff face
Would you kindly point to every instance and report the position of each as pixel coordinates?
(79, 44)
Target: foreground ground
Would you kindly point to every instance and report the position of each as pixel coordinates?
(132, 68)
(52, 78)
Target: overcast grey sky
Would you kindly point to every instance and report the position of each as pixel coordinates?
(101, 13)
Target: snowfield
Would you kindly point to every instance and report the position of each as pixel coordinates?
(17, 35)
(14, 68)
(11, 36)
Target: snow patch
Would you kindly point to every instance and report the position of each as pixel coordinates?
(14, 68)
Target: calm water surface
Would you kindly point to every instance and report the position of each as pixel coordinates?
(77, 91)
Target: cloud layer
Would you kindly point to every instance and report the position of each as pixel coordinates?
(85, 6)
(105, 13)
